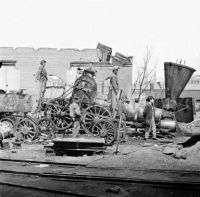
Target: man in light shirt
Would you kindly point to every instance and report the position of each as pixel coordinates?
(114, 86)
(41, 77)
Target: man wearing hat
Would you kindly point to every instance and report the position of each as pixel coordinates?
(149, 116)
(75, 114)
(41, 76)
(114, 86)
(91, 85)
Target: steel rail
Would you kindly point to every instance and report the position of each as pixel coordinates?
(42, 162)
(121, 180)
(81, 179)
(66, 192)
(100, 168)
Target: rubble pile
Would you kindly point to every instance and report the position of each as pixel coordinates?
(187, 128)
(189, 153)
(192, 152)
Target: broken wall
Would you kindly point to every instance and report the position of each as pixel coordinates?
(28, 61)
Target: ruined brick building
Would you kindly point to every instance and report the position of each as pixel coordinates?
(22, 76)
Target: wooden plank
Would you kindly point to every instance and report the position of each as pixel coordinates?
(80, 140)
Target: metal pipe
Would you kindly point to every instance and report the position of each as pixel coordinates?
(167, 124)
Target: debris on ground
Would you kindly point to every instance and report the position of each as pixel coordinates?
(41, 166)
(146, 144)
(6, 145)
(169, 150)
(16, 144)
(188, 153)
(114, 190)
(180, 139)
(178, 152)
(165, 141)
(193, 140)
(188, 128)
(5, 132)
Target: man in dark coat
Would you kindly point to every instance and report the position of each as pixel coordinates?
(149, 116)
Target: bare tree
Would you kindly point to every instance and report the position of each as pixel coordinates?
(144, 77)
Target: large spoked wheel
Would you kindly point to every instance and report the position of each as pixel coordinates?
(60, 101)
(10, 123)
(50, 110)
(46, 128)
(59, 115)
(93, 114)
(105, 129)
(123, 128)
(27, 129)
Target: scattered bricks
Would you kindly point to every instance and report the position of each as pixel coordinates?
(50, 152)
(165, 141)
(169, 150)
(114, 190)
(17, 145)
(24, 164)
(147, 144)
(6, 145)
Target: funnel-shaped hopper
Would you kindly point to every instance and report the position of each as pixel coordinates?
(176, 78)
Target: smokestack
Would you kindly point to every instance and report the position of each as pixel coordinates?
(176, 78)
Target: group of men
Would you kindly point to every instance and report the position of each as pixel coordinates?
(75, 112)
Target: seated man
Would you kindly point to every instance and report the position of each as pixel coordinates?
(75, 114)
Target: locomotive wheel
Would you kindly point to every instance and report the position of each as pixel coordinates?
(105, 129)
(46, 127)
(123, 127)
(94, 113)
(59, 115)
(10, 123)
(50, 110)
(60, 101)
(27, 129)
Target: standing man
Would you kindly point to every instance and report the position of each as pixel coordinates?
(90, 85)
(41, 76)
(75, 114)
(114, 86)
(149, 116)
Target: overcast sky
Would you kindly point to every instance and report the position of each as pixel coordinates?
(171, 28)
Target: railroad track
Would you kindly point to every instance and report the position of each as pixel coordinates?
(71, 184)
(61, 183)
(40, 162)
(99, 168)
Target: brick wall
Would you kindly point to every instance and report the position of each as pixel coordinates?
(58, 63)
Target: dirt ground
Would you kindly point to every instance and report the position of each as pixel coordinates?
(133, 156)
(134, 153)
(137, 155)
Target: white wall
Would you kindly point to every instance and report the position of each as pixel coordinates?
(9, 78)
